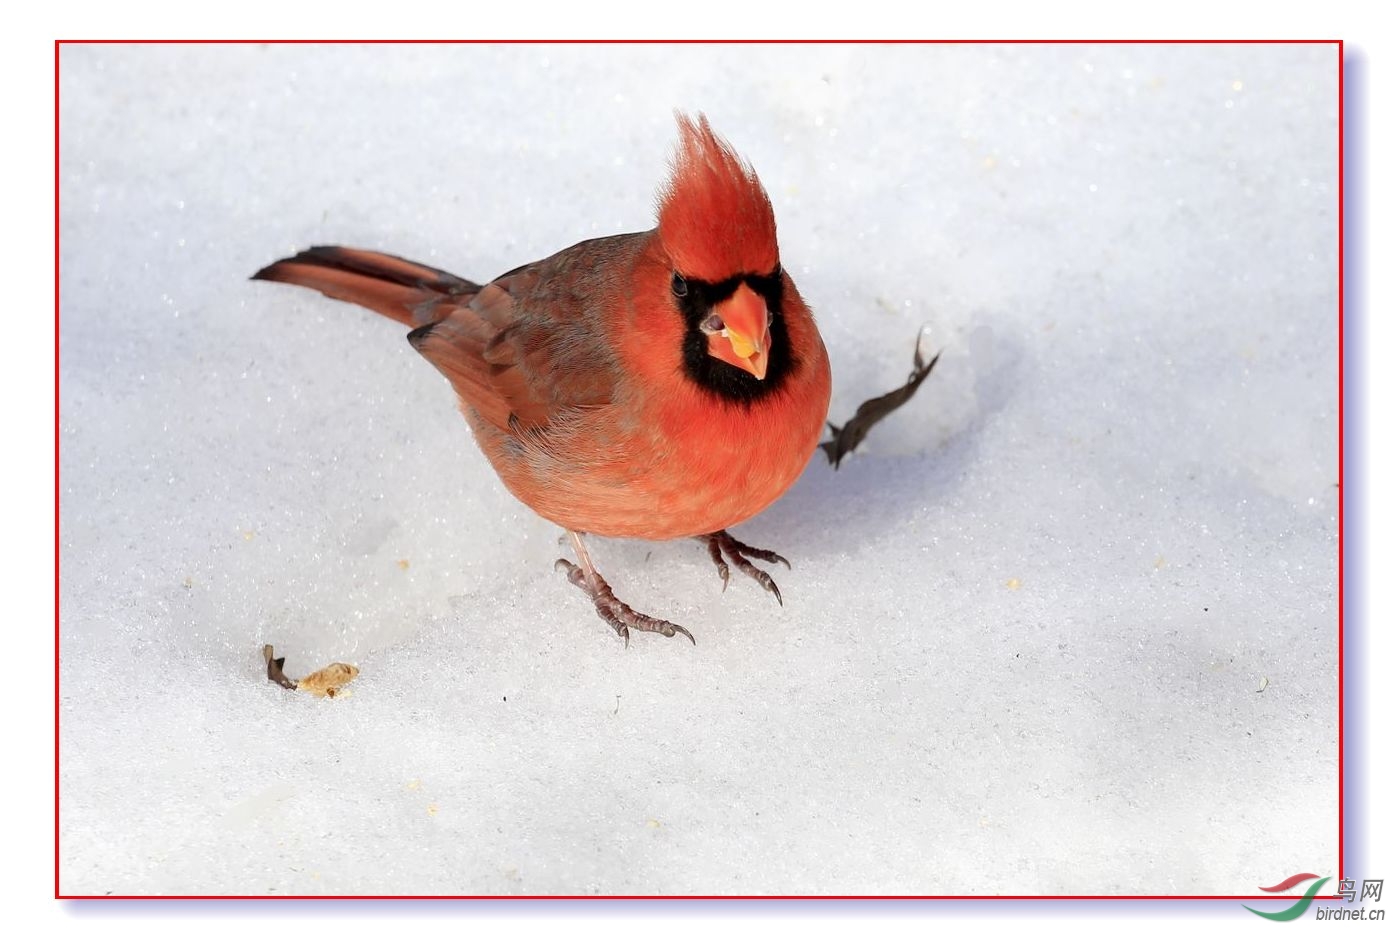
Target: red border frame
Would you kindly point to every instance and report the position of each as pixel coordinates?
(57, 466)
(1341, 460)
(57, 548)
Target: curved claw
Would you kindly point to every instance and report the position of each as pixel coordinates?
(769, 585)
(576, 576)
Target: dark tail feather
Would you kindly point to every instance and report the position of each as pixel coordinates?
(399, 289)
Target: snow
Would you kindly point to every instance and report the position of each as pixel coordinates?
(1066, 623)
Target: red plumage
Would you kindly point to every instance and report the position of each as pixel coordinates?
(655, 385)
(715, 219)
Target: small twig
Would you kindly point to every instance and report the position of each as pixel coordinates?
(274, 672)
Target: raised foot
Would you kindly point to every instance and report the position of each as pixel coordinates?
(720, 543)
(616, 614)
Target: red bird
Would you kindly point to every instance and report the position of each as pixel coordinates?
(662, 384)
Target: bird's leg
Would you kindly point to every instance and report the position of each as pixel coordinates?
(720, 543)
(616, 614)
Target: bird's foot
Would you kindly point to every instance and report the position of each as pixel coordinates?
(616, 614)
(720, 543)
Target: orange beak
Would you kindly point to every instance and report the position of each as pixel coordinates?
(746, 336)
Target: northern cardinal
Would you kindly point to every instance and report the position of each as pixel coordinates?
(663, 384)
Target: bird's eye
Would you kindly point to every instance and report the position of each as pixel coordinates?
(679, 285)
(713, 324)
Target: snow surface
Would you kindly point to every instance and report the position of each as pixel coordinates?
(1065, 624)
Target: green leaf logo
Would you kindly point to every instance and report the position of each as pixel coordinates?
(1298, 908)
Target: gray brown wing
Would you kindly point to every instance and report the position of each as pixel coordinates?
(532, 346)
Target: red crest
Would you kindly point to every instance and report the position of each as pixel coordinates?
(715, 219)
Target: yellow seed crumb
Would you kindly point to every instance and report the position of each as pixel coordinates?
(403, 564)
(432, 809)
(1013, 583)
(1159, 562)
(652, 823)
(327, 681)
(415, 784)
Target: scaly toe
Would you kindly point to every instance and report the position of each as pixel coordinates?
(720, 543)
(770, 557)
